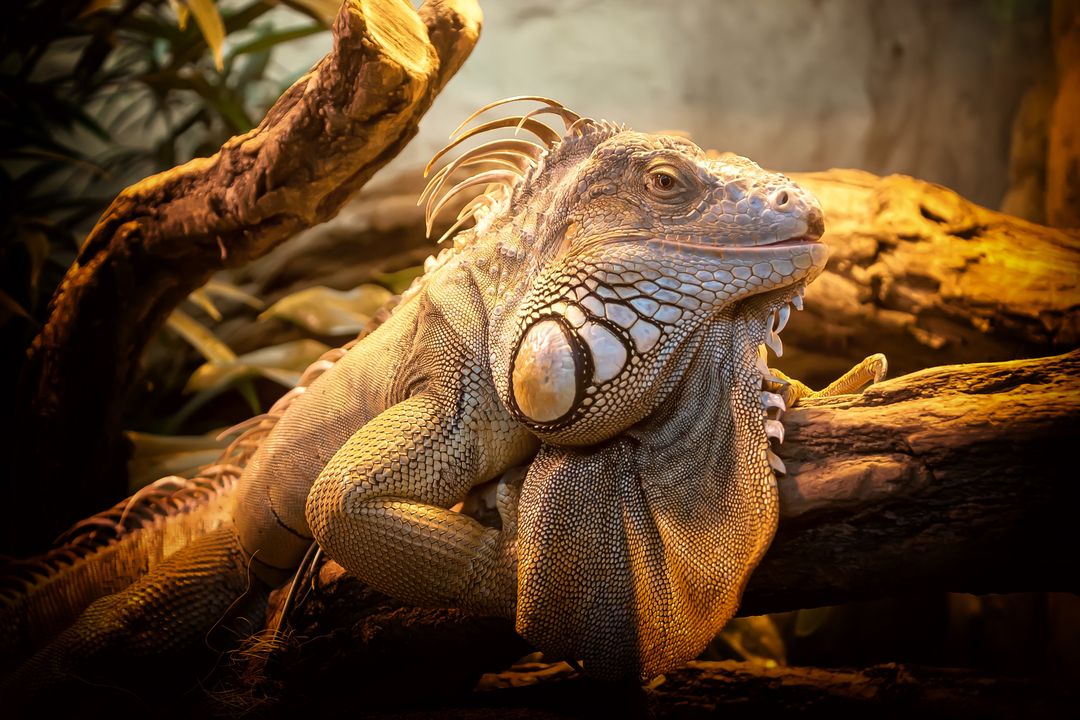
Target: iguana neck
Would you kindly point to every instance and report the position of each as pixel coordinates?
(715, 415)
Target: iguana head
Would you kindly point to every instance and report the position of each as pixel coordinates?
(613, 248)
(631, 279)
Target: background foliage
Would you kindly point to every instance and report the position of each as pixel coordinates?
(96, 94)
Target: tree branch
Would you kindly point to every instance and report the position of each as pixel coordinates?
(954, 478)
(929, 278)
(166, 235)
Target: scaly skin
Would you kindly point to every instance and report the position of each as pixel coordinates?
(604, 315)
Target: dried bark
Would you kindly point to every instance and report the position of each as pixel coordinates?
(928, 278)
(710, 689)
(734, 689)
(164, 236)
(1063, 133)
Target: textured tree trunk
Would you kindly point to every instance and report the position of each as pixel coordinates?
(727, 689)
(928, 278)
(953, 478)
(164, 236)
(1063, 131)
(733, 689)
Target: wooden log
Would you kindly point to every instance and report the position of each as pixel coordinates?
(163, 237)
(705, 689)
(735, 689)
(928, 278)
(954, 478)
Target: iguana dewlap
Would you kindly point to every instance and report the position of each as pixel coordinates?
(604, 314)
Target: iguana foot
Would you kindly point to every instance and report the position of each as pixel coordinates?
(871, 370)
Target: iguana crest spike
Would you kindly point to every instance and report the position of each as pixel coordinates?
(580, 135)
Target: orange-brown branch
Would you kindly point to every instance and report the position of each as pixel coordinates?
(953, 479)
(163, 237)
(929, 278)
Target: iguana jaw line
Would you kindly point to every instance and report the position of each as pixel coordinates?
(717, 248)
(776, 307)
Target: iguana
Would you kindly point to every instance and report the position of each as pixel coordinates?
(601, 320)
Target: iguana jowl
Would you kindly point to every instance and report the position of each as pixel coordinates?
(604, 314)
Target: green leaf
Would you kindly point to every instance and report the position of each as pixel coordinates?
(9, 308)
(94, 6)
(247, 390)
(324, 10)
(809, 620)
(755, 639)
(228, 106)
(324, 311)
(282, 363)
(210, 25)
(59, 157)
(399, 281)
(229, 291)
(182, 13)
(200, 337)
(37, 246)
(200, 298)
(157, 456)
(243, 17)
(270, 39)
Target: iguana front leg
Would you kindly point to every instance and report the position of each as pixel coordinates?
(380, 506)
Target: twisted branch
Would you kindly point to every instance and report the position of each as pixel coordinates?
(166, 235)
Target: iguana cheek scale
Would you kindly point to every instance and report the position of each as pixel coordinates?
(603, 317)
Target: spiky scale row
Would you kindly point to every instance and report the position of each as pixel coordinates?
(527, 154)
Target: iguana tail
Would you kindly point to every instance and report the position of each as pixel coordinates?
(109, 551)
(106, 553)
(127, 634)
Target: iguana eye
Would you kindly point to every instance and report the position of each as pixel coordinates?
(664, 183)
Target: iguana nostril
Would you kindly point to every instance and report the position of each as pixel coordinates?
(780, 200)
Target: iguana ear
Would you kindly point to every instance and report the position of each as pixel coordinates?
(631, 560)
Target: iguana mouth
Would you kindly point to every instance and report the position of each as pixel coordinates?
(815, 228)
(797, 240)
(704, 246)
(776, 307)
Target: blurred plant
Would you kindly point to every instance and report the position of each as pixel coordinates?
(325, 311)
(317, 310)
(95, 94)
(159, 456)
(755, 639)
